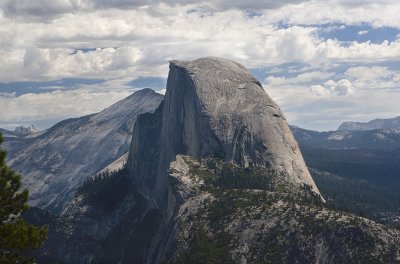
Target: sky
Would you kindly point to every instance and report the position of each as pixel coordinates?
(322, 61)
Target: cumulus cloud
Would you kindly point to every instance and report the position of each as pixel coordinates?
(122, 39)
(372, 72)
(319, 90)
(350, 12)
(342, 87)
(304, 77)
(50, 64)
(373, 77)
(362, 32)
(138, 41)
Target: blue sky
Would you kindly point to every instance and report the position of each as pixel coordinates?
(324, 62)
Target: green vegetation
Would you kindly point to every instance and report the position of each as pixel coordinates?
(17, 238)
(282, 223)
(360, 181)
(237, 191)
(219, 177)
(208, 250)
(100, 190)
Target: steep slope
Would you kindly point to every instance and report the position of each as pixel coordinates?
(223, 219)
(371, 125)
(56, 162)
(224, 214)
(213, 107)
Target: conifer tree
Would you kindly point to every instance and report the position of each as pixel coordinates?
(16, 236)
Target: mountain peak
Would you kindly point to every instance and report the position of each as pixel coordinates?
(144, 91)
(26, 130)
(213, 107)
(77, 148)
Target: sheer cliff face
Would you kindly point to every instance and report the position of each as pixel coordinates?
(214, 107)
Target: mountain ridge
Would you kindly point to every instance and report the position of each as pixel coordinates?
(379, 123)
(62, 156)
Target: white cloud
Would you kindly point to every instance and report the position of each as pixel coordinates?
(373, 77)
(363, 32)
(342, 12)
(305, 77)
(319, 90)
(341, 88)
(50, 64)
(143, 39)
(123, 39)
(373, 72)
(162, 91)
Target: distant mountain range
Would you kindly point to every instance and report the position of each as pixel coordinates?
(383, 139)
(55, 162)
(358, 171)
(21, 131)
(371, 125)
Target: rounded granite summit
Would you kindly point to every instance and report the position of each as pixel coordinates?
(216, 107)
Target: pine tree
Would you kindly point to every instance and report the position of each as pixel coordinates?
(16, 236)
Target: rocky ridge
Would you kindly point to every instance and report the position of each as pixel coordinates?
(371, 125)
(57, 161)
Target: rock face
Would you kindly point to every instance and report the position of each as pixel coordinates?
(57, 161)
(26, 130)
(213, 107)
(371, 125)
(238, 224)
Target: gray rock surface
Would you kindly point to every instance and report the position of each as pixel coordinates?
(213, 107)
(26, 130)
(371, 125)
(260, 226)
(275, 224)
(57, 161)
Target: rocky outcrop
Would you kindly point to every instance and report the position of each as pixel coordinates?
(213, 107)
(222, 223)
(26, 130)
(56, 162)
